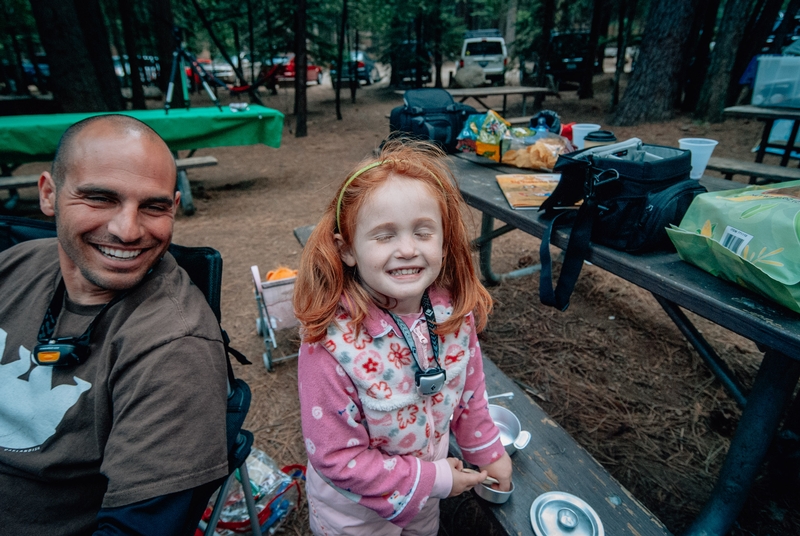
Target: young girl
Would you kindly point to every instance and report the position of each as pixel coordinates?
(390, 363)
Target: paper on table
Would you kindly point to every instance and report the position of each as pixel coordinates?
(528, 191)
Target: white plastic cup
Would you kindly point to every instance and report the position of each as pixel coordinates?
(701, 149)
(580, 130)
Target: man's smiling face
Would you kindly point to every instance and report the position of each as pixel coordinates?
(114, 208)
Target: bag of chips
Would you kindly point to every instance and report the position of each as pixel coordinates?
(748, 236)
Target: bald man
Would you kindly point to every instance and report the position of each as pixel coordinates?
(122, 430)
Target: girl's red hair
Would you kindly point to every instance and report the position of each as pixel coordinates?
(323, 279)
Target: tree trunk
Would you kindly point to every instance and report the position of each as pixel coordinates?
(127, 17)
(72, 76)
(300, 71)
(166, 43)
(715, 89)
(586, 90)
(547, 15)
(252, 41)
(697, 72)
(622, 44)
(653, 88)
(340, 61)
(98, 46)
(436, 30)
(418, 53)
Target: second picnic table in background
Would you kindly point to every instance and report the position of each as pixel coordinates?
(34, 138)
(478, 93)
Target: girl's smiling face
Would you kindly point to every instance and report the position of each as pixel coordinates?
(397, 243)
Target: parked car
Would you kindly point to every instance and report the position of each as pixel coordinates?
(487, 49)
(566, 56)
(367, 71)
(29, 72)
(282, 71)
(405, 60)
(149, 64)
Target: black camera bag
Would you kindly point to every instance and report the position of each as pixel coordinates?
(629, 198)
(430, 114)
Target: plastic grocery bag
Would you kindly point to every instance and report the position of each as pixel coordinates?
(276, 493)
(749, 236)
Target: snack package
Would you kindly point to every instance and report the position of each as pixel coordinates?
(469, 134)
(540, 155)
(276, 493)
(491, 135)
(747, 236)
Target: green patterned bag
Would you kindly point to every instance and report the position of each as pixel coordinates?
(749, 236)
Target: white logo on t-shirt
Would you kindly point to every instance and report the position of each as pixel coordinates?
(30, 410)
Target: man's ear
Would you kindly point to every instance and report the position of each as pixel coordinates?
(47, 194)
(345, 252)
(176, 203)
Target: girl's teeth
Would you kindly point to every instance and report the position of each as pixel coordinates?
(409, 271)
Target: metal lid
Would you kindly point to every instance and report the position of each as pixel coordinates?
(561, 514)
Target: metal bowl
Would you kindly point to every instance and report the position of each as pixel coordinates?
(492, 495)
(511, 434)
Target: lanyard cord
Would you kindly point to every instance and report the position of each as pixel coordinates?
(430, 320)
(50, 319)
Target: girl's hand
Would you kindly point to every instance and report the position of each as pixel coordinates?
(501, 470)
(463, 481)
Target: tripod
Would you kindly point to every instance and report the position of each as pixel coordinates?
(180, 58)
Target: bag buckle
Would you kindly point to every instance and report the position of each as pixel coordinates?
(602, 178)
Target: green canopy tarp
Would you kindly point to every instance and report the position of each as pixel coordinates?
(33, 138)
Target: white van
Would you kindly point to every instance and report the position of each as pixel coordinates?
(487, 49)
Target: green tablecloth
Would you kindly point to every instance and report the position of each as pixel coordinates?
(33, 138)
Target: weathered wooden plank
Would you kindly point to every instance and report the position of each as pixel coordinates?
(195, 162)
(553, 461)
(731, 166)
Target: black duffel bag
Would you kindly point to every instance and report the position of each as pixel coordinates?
(430, 114)
(631, 192)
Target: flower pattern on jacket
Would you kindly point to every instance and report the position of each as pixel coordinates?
(380, 391)
(407, 416)
(359, 342)
(399, 356)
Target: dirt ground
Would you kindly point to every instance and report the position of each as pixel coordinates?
(613, 370)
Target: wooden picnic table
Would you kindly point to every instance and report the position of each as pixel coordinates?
(478, 93)
(34, 138)
(769, 116)
(678, 285)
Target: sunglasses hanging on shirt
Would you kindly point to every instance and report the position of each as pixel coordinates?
(64, 351)
(432, 380)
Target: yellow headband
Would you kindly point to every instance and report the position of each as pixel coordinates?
(353, 177)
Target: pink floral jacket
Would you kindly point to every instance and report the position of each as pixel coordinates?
(367, 430)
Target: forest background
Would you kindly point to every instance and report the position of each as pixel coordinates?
(689, 56)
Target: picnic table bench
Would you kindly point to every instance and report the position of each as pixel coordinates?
(15, 182)
(731, 166)
(554, 461)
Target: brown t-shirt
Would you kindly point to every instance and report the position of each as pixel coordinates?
(143, 416)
